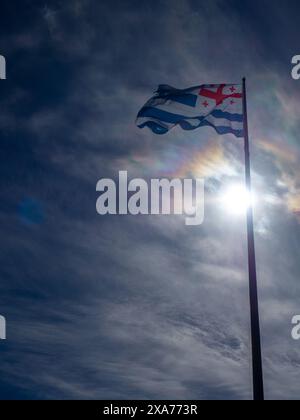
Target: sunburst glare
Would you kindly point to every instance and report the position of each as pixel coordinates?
(237, 199)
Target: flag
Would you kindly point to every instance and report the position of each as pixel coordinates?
(217, 106)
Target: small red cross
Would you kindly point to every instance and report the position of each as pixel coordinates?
(233, 89)
(218, 96)
(205, 104)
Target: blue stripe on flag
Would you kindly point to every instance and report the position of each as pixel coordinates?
(183, 121)
(159, 129)
(169, 117)
(187, 99)
(183, 96)
(217, 113)
(155, 127)
(224, 130)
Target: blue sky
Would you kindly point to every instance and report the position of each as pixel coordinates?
(143, 307)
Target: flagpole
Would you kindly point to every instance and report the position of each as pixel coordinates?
(258, 386)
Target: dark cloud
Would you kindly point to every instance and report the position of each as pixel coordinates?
(142, 307)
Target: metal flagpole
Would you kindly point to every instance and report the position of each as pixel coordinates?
(258, 386)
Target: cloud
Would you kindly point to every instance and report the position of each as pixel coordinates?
(142, 307)
(286, 160)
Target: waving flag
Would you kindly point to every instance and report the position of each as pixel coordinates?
(217, 106)
(223, 107)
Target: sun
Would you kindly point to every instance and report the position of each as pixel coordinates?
(237, 199)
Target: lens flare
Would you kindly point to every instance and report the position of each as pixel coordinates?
(237, 199)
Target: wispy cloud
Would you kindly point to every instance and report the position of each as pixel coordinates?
(124, 307)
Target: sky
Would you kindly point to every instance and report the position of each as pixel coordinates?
(144, 307)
